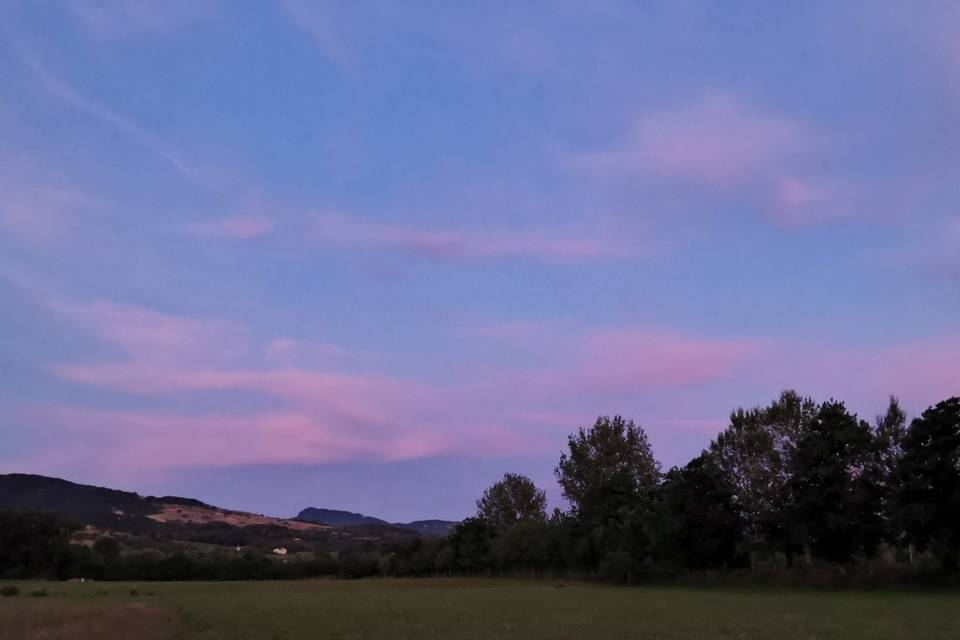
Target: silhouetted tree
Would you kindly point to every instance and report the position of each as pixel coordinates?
(524, 546)
(471, 540)
(890, 430)
(927, 506)
(835, 486)
(610, 477)
(512, 500)
(754, 453)
(698, 523)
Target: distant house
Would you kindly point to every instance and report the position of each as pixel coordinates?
(280, 551)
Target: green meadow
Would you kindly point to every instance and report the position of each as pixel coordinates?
(463, 608)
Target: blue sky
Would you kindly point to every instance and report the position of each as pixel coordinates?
(371, 256)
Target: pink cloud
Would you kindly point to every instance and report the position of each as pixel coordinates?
(618, 363)
(718, 142)
(799, 201)
(161, 355)
(450, 245)
(731, 149)
(321, 417)
(145, 441)
(920, 372)
(627, 359)
(329, 415)
(148, 336)
(40, 216)
(311, 415)
(236, 228)
(797, 192)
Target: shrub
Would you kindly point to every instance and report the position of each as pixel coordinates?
(9, 591)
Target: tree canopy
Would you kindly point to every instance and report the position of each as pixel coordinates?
(511, 500)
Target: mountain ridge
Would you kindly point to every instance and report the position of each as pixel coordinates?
(341, 518)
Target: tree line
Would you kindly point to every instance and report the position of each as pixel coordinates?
(791, 485)
(788, 485)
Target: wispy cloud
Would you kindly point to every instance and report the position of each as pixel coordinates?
(920, 371)
(721, 146)
(38, 216)
(147, 336)
(322, 413)
(133, 18)
(313, 412)
(236, 228)
(719, 142)
(61, 90)
(339, 230)
(314, 20)
(625, 359)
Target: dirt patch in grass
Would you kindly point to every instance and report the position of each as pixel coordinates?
(59, 620)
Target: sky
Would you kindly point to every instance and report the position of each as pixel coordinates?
(372, 255)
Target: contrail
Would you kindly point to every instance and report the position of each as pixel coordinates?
(64, 92)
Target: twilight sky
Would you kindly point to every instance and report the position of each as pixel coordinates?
(372, 255)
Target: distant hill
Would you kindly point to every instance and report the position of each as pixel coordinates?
(112, 509)
(337, 518)
(98, 506)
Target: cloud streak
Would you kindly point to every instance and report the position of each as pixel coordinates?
(60, 89)
(316, 23)
(718, 142)
(322, 414)
(40, 216)
(340, 230)
(722, 147)
(233, 228)
(129, 18)
(319, 414)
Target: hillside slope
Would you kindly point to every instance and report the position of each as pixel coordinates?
(126, 511)
(337, 518)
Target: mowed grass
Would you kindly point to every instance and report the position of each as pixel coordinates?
(466, 608)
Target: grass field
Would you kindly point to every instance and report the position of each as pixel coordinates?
(463, 608)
